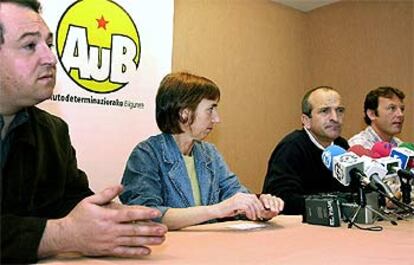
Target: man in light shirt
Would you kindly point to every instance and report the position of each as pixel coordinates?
(384, 114)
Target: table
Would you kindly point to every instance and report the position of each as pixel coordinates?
(284, 240)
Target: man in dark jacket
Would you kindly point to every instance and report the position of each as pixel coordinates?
(295, 168)
(47, 207)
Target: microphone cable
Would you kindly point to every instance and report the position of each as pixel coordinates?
(375, 228)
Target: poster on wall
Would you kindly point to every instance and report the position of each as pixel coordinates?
(111, 57)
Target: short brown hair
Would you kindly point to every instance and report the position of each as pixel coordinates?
(179, 91)
(306, 106)
(371, 100)
(32, 4)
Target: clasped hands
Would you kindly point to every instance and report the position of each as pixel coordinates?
(97, 226)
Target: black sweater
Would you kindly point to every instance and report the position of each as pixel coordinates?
(295, 170)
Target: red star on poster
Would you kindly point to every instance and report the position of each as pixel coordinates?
(102, 22)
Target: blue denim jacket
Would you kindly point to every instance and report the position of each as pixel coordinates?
(156, 175)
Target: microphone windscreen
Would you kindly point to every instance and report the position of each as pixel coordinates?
(359, 150)
(410, 164)
(329, 153)
(382, 149)
(407, 145)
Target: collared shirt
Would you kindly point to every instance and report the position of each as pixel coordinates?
(5, 142)
(368, 137)
(313, 139)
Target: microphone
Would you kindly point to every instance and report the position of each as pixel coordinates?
(329, 153)
(360, 150)
(411, 165)
(403, 154)
(372, 167)
(377, 160)
(394, 158)
(375, 171)
(345, 166)
(395, 167)
(391, 164)
(405, 178)
(381, 149)
(380, 184)
(382, 168)
(406, 174)
(407, 145)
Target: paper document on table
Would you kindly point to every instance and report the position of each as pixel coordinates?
(247, 226)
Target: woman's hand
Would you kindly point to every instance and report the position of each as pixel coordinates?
(272, 204)
(263, 207)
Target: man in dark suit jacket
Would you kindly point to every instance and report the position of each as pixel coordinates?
(46, 205)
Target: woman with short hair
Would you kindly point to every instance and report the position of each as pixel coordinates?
(183, 176)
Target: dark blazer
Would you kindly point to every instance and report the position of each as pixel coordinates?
(40, 180)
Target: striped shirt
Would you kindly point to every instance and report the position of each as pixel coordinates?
(368, 137)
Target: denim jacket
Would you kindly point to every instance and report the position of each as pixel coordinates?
(156, 175)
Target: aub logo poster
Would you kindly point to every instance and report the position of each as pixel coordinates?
(111, 58)
(99, 48)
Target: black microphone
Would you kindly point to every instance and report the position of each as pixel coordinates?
(362, 179)
(405, 177)
(383, 186)
(405, 173)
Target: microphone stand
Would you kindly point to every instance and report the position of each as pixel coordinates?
(406, 192)
(363, 181)
(405, 186)
(363, 205)
(405, 207)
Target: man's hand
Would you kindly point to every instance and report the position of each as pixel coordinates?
(99, 227)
